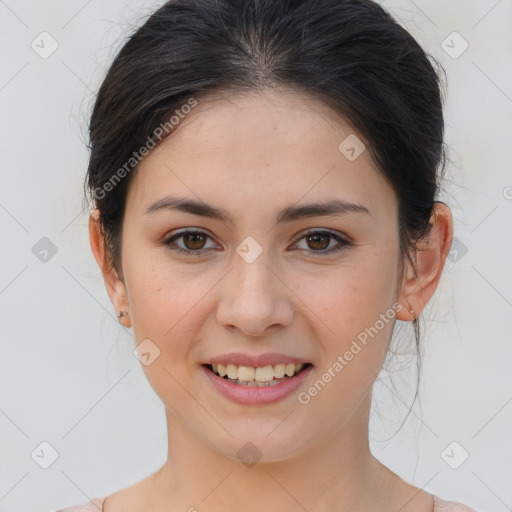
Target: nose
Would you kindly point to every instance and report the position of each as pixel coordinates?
(255, 298)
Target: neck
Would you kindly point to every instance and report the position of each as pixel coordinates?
(338, 472)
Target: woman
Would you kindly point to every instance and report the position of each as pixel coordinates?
(264, 177)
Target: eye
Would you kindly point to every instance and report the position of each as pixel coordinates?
(194, 242)
(192, 239)
(320, 241)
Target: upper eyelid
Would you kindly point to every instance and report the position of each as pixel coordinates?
(344, 238)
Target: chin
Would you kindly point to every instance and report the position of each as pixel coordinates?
(261, 442)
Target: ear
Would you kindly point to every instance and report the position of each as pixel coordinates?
(420, 282)
(116, 288)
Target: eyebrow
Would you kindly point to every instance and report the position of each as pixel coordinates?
(337, 207)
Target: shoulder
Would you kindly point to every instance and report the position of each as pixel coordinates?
(441, 505)
(94, 505)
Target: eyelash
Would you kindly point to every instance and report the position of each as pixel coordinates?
(343, 243)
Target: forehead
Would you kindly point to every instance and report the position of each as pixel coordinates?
(264, 148)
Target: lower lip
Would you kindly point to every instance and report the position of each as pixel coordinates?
(256, 395)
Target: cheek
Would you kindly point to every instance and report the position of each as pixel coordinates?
(165, 308)
(353, 356)
(169, 304)
(159, 300)
(159, 292)
(351, 296)
(354, 305)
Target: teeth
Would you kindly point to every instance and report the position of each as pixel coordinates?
(290, 369)
(232, 371)
(246, 373)
(279, 371)
(261, 376)
(255, 384)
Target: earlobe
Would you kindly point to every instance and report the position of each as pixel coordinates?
(408, 312)
(422, 280)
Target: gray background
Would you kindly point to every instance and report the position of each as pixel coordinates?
(68, 376)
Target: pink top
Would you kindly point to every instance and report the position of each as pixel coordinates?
(96, 505)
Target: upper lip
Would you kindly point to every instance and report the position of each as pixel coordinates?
(266, 359)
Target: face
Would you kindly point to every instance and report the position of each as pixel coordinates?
(318, 289)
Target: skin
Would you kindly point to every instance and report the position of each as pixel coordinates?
(253, 154)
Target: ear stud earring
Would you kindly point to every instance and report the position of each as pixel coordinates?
(121, 314)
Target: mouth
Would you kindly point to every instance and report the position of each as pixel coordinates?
(263, 376)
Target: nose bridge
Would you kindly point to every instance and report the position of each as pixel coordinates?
(253, 298)
(252, 277)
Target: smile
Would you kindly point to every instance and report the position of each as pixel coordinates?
(257, 385)
(262, 376)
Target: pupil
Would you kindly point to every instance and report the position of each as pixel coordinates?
(313, 237)
(195, 235)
